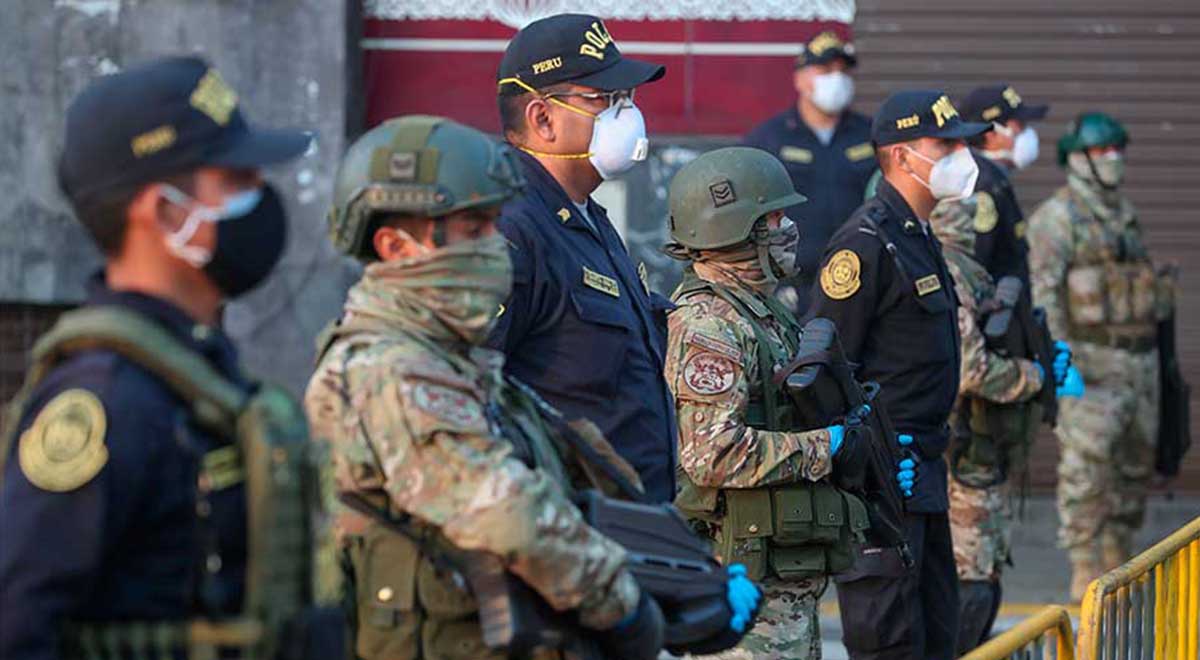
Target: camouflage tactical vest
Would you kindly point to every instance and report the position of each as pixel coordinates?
(1114, 294)
(270, 453)
(807, 529)
(405, 598)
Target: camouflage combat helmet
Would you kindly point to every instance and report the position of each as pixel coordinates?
(1091, 129)
(716, 199)
(417, 165)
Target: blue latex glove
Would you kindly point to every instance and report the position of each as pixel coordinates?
(837, 433)
(906, 475)
(1072, 385)
(906, 470)
(743, 598)
(1062, 361)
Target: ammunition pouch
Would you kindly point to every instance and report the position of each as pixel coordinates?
(992, 441)
(793, 532)
(1120, 294)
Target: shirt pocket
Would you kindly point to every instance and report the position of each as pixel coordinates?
(597, 350)
(924, 327)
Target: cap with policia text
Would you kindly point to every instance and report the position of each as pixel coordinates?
(999, 103)
(573, 48)
(160, 118)
(916, 114)
(824, 48)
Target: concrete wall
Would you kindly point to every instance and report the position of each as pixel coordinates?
(288, 61)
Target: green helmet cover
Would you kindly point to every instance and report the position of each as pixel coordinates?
(716, 199)
(417, 165)
(1091, 129)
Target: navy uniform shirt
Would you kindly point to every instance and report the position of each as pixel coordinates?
(833, 177)
(583, 330)
(129, 544)
(896, 313)
(999, 223)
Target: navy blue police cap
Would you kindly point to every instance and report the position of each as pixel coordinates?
(574, 48)
(999, 103)
(913, 114)
(825, 48)
(163, 117)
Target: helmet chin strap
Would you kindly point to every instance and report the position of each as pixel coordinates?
(1096, 175)
(763, 247)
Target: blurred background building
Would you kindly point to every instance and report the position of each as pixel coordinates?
(340, 66)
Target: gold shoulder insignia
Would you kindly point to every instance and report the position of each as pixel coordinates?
(986, 215)
(840, 276)
(64, 447)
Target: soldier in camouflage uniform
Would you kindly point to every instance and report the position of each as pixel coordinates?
(1091, 271)
(422, 422)
(989, 418)
(739, 452)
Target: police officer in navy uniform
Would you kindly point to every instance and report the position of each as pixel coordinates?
(582, 326)
(101, 507)
(1011, 145)
(884, 282)
(826, 147)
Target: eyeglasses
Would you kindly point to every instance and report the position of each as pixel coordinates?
(612, 98)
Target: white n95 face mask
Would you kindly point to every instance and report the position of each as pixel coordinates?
(1025, 148)
(832, 92)
(618, 139)
(953, 176)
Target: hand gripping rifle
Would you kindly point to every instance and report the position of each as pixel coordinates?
(820, 380)
(1013, 327)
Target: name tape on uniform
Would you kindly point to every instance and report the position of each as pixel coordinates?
(795, 154)
(860, 152)
(928, 284)
(601, 283)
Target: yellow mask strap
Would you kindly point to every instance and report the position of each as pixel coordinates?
(521, 83)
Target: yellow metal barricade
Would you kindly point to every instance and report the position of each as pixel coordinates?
(1150, 607)
(1046, 635)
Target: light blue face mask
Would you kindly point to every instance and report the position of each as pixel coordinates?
(235, 206)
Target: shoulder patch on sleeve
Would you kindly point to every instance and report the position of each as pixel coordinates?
(713, 344)
(708, 373)
(448, 404)
(840, 278)
(64, 447)
(986, 215)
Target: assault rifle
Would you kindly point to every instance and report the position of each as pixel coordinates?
(820, 380)
(1013, 327)
(1174, 431)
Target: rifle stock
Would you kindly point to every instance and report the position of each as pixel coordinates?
(820, 380)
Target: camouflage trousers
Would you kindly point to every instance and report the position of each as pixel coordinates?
(788, 626)
(1107, 441)
(981, 529)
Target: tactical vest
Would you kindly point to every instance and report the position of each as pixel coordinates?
(1115, 296)
(405, 598)
(270, 453)
(807, 529)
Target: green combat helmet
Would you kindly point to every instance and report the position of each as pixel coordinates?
(716, 199)
(1091, 129)
(417, 165)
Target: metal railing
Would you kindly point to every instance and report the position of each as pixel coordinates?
(1149, 608)
(1046, 635)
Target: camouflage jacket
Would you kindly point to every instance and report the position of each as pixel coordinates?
(1079, 225)
(984, 374)
(712, 368)
(409, 410)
